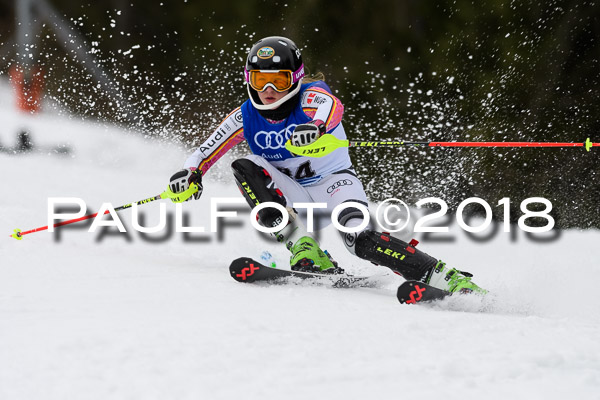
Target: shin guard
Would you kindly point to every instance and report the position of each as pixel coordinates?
(257, 187)
(401, 257)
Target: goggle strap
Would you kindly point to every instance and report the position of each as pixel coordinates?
(298, 74)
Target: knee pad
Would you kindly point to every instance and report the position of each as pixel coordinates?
(257, 187)
(401, 257)
(350, 213)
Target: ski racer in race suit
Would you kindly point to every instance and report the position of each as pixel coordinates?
(283, 105)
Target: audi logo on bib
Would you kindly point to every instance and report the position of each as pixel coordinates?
(340, 183)
(273, 140)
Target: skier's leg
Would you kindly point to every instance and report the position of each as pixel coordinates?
(401, 257)
(410, 262)
(382, 249)
(257, 186)
(335, 190)
(260, 182)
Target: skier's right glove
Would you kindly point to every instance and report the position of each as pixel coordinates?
(182, 180)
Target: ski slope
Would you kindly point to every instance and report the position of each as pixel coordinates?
(89, 316)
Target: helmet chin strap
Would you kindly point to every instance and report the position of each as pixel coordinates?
(279, 102)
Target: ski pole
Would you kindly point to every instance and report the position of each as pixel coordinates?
(328, 143)
(167, 194)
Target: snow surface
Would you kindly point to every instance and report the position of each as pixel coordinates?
(85, 316)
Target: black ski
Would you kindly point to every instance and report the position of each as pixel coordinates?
(247, 270)
(413, 292)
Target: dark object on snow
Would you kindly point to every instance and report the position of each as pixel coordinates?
(24, 142)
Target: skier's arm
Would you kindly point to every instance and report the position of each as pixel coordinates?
(229, 133)
(320, 105)
(326, 112)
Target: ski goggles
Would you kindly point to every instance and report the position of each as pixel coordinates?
(280, 80)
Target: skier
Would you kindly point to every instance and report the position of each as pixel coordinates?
(284, 104)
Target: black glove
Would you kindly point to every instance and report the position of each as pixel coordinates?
(181, 181)
(307, 133)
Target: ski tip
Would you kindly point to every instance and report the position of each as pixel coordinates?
(17, 234)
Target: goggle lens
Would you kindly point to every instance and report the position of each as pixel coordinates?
(279, 80)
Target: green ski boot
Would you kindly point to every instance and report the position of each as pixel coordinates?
(307, 256)
(452, 280)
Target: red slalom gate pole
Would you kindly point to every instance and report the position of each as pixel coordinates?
(328, 143)
(587, 145)
(351, 143)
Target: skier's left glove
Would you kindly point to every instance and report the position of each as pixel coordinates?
(182, 180)
(307, 133)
